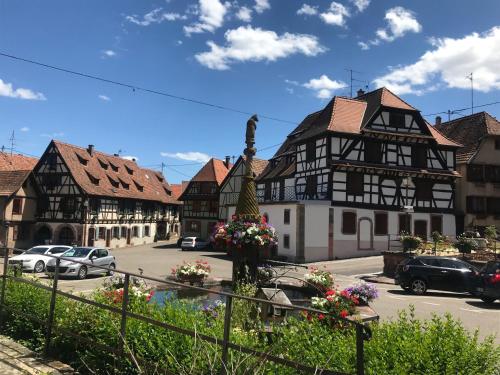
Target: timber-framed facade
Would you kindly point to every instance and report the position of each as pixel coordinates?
(87, 197)
(343, 177)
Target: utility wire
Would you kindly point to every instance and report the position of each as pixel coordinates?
(139, 88)
(456, 111)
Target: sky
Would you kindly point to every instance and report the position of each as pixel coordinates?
(280, 59)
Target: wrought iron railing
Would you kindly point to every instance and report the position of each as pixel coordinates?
(363, 332)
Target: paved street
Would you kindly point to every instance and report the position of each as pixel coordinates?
(158, 259)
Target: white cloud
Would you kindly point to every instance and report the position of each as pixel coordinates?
(399, 22)
(7, 90)
(52, 135)
(244, 14)
(25, 129)
(155, 16)
(360, 5)
(108, 53)
(324, 86)
(189, 156)
(261, 5)
(336, 14)
(308, 10)
(248, 44)
(129, 157)
(211, 16)
(448, 64)
(104, 98)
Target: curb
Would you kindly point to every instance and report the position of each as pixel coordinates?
(378, 279)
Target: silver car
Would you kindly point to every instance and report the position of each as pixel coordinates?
(35, 259)
(90, 256)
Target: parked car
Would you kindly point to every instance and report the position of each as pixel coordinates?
(90, 256)
(35, 259)
(441, 273)
(194, 243)
(488, 285)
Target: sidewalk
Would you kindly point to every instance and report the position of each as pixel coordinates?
(15, 359)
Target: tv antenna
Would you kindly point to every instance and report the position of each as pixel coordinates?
(353, 79)
(471, 78)
(12, 140)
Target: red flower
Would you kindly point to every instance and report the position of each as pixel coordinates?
(344, 313)
(330, 292)
(263, 220)
(321, 317)
(344, 294)
(151, 294)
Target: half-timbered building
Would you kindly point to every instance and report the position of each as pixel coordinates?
(18, 197)
(91, 198)
(478, 191)
(355, 173)
(231, 186)
(200, 210)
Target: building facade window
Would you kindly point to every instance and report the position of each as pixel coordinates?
(404, 223)
(310, 151)
(373, 151)
(381, 223)
(102, 233)
(355, 184)
(135, 231)
(397, 120)
(116, 232)
(475, 173)
(497, 144)
(286, 216)
(146, 231)
(286, 241)
(17, 206)
(124, 232)
(423, 190)
(193, 226)
(349, 222)
(436, 224)
(476, 205)
(419, 157)
(311, 186)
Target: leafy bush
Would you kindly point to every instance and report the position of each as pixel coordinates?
(409, 242)
(465, 245)
(405, 346)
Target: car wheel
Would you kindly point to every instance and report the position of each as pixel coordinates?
(111, 271)
(39, 267)
(82, 273)
(487, 299)
(418, 286)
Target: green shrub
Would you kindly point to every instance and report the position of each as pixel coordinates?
(404, 346)
(465, 245)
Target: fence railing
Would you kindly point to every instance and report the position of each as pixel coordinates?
(363, 332)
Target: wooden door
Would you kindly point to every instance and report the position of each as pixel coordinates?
(128, 236)
(420, 227)
(108, 237)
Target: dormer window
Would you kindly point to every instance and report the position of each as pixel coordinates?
(113, 182)
(124, 184)
(138, 186)
(160, 178)
(114, 167)
(167, 191)
(129, 170)
(81, 159)
(92, 178)
(103, 164)
(397, 120)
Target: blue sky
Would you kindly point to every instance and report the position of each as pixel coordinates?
(280, 58)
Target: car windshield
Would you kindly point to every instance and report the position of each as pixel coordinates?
(77, 252)
(37, 250)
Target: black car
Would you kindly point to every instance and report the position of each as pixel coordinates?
(426, 272)
(488, 285)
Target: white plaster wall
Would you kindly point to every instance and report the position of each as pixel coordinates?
(316, 231)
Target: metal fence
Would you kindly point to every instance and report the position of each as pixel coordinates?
(363, 332)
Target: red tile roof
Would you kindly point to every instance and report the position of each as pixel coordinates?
(214, 170)
(469, 131)
(14, 169)
(177, 190)
(347, 115)
(16, 162)
(131, 181)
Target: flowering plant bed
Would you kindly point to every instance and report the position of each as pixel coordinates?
(319, 279)
(192, 273)
(364, 292)
(239, 233)
(113, 289)
(339, 304)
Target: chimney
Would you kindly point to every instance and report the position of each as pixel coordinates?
(134, 160)
(117, 155)
(90, 149)
(360, 92)
(438, 120)
(227, 161)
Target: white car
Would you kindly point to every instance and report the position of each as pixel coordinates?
(34, 259)
(194, 243)
(89, 256)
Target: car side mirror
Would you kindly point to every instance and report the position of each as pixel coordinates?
(93, 257)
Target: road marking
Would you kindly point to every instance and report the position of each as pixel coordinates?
(433, 304)
(471, 310)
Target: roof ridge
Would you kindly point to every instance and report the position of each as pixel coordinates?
(443, 135)
(385, 89)
(468, 116)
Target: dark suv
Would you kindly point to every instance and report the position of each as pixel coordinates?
(426, 272)
(488, 285)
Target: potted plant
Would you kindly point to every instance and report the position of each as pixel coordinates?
(338, 304)
(192, 273)
(364, 292)
(410, 243)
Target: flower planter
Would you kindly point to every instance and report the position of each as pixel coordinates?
(391, 261)
(191, 279)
